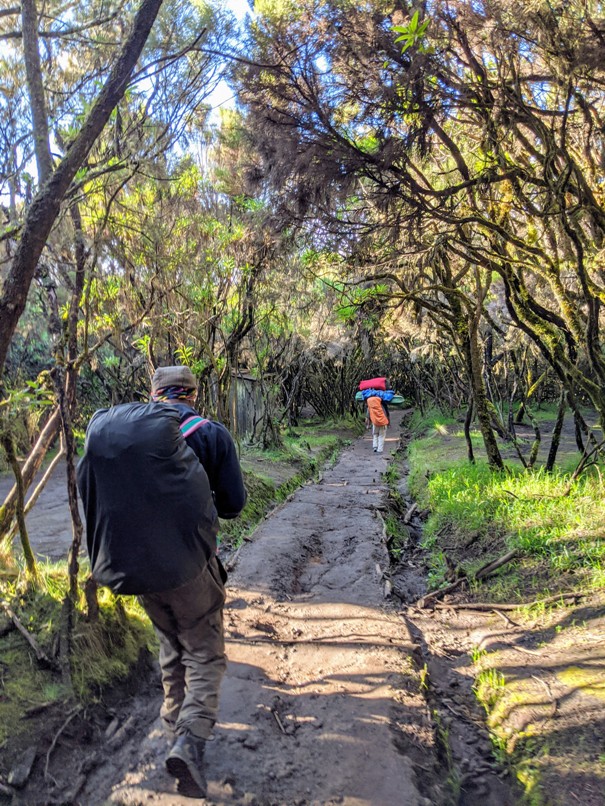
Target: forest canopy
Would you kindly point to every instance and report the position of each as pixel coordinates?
(415, 189)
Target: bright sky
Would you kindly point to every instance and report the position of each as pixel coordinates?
(223, 95)
(239, 7)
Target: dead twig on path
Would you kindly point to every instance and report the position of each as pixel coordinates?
(551, 697)
(562, 597)
(527, 651)
(505, 617)
(279, 722)
(70, 716)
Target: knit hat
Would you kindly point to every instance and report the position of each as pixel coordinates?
(173, 376)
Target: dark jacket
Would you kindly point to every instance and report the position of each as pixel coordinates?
(152, 498)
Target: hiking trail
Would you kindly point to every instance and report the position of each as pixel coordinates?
(320, 679)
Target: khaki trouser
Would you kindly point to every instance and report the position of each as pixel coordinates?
(189, 625)
(379, 432)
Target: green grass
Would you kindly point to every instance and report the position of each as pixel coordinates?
(559, 536)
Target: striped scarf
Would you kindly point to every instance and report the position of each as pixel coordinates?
(171, 393)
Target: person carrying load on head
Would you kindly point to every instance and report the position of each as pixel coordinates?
(375, 395)
(378, 414)
(154, 480)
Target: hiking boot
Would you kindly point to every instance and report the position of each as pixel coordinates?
(185, 762)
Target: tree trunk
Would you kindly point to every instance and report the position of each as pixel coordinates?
(33, 463)
(38, 489)
(535, 447)
(35, 88)
(72, 492)
(30, 560)
(556, 434)
(476, 377)
(467, 432)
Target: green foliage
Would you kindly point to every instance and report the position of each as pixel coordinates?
(277, 10)
(489, 685)
(21, 410)
(412, 33)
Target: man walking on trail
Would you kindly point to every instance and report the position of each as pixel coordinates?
(378, 414)
(154, 479)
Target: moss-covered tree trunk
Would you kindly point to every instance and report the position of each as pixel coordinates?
(471, 348)
(556, 434)
(30, 561)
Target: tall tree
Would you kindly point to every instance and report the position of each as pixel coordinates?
(46, 205)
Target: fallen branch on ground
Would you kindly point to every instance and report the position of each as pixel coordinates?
(436, 594)
(509, 606)
(505, 618)
(41, 656)
(482, 573)
(409, 514)
(70, 716)
(490, 567)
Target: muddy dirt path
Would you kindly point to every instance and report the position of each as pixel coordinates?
(320, 680)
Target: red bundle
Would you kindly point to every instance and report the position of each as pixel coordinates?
(373, 383)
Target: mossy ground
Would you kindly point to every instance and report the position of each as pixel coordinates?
(35, 699)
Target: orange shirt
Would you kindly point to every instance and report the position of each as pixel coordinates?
(377, 415)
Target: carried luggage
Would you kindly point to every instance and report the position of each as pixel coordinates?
(377, 413)
(396, 400)
(373, 383)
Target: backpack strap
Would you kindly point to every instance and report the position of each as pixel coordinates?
(191, 424)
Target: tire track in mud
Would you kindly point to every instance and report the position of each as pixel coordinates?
(321, 698)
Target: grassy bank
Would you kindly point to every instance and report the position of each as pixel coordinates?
(538, 669)
(476, 515)
(39, 696)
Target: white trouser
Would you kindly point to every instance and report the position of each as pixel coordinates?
(379, 432)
